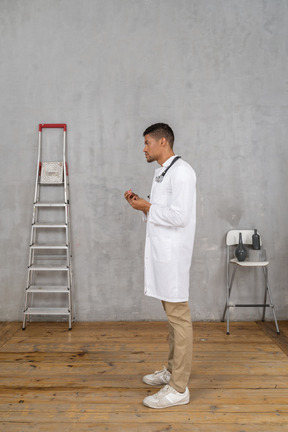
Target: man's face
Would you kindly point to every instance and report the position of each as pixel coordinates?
(152, 148)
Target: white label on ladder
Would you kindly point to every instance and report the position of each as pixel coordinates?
(52, 172)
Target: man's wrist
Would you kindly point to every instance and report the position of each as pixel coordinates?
(146, 208)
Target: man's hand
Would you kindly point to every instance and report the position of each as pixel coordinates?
(129, 195)
(136, 202)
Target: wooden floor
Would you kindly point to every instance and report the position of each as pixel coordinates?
(90, 379)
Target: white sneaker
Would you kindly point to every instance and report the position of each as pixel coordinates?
(158, 377)
(167, 397)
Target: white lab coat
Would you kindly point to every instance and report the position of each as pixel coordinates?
(170, 233)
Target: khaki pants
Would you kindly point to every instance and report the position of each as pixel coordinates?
(180, 343)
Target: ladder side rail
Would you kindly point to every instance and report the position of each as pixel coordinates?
(65, 167)
(27, 300)
(67, 193)
(35, 214)
(31, 257)
(33, 238)
(36, 196)
(26, 292)
(69, 255)
(70, 277)
(71, 290)
(69, 242)
(38, 166)
(69, 252)
(67, 182)
(34, 218)
(69, 287)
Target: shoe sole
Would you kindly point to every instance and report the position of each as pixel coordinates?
(167, 406)
(155, 384)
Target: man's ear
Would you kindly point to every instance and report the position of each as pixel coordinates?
(163, 142)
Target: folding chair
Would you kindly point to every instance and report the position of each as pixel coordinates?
(232, 240)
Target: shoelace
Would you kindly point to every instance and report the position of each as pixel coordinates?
(166, 374)
(164, 370)
(165, 390)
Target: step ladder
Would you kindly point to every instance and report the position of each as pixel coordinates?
(49, 279)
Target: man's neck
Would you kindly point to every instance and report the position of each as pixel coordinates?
(165, 157)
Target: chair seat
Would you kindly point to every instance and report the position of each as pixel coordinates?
(249, 263)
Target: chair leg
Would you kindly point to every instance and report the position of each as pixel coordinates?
(275, 319)
(265, 294)
(224, 313)
(228, 321)
(227, 307)
(271, 302)
(228, 315)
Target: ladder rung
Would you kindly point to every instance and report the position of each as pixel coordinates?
(49, 204)
(48, 246)
(48, 225)
(48, 289)
(51, 184)
(46, 311)
(48, 267)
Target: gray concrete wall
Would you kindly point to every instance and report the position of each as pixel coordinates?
(215, 70)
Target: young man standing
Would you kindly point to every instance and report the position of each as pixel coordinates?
(171, 220)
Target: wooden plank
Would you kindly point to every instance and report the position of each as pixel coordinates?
(93, 381)
(137, 406)
(19, 345)
(281, 340)
(99, 367)
(96, 336)
(140, 356)
(284, 326)
(185, 416)
(7, 330)
(208, 397)
(138, 329)
(170, 426)
(141, 328)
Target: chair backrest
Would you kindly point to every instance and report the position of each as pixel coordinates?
(232, 237)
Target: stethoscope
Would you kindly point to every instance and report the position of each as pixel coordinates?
(159, 178)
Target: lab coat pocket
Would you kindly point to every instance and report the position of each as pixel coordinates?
(161, 249)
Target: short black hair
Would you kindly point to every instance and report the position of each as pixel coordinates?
(160, 130)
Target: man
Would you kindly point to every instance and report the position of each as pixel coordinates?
(171, 219)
